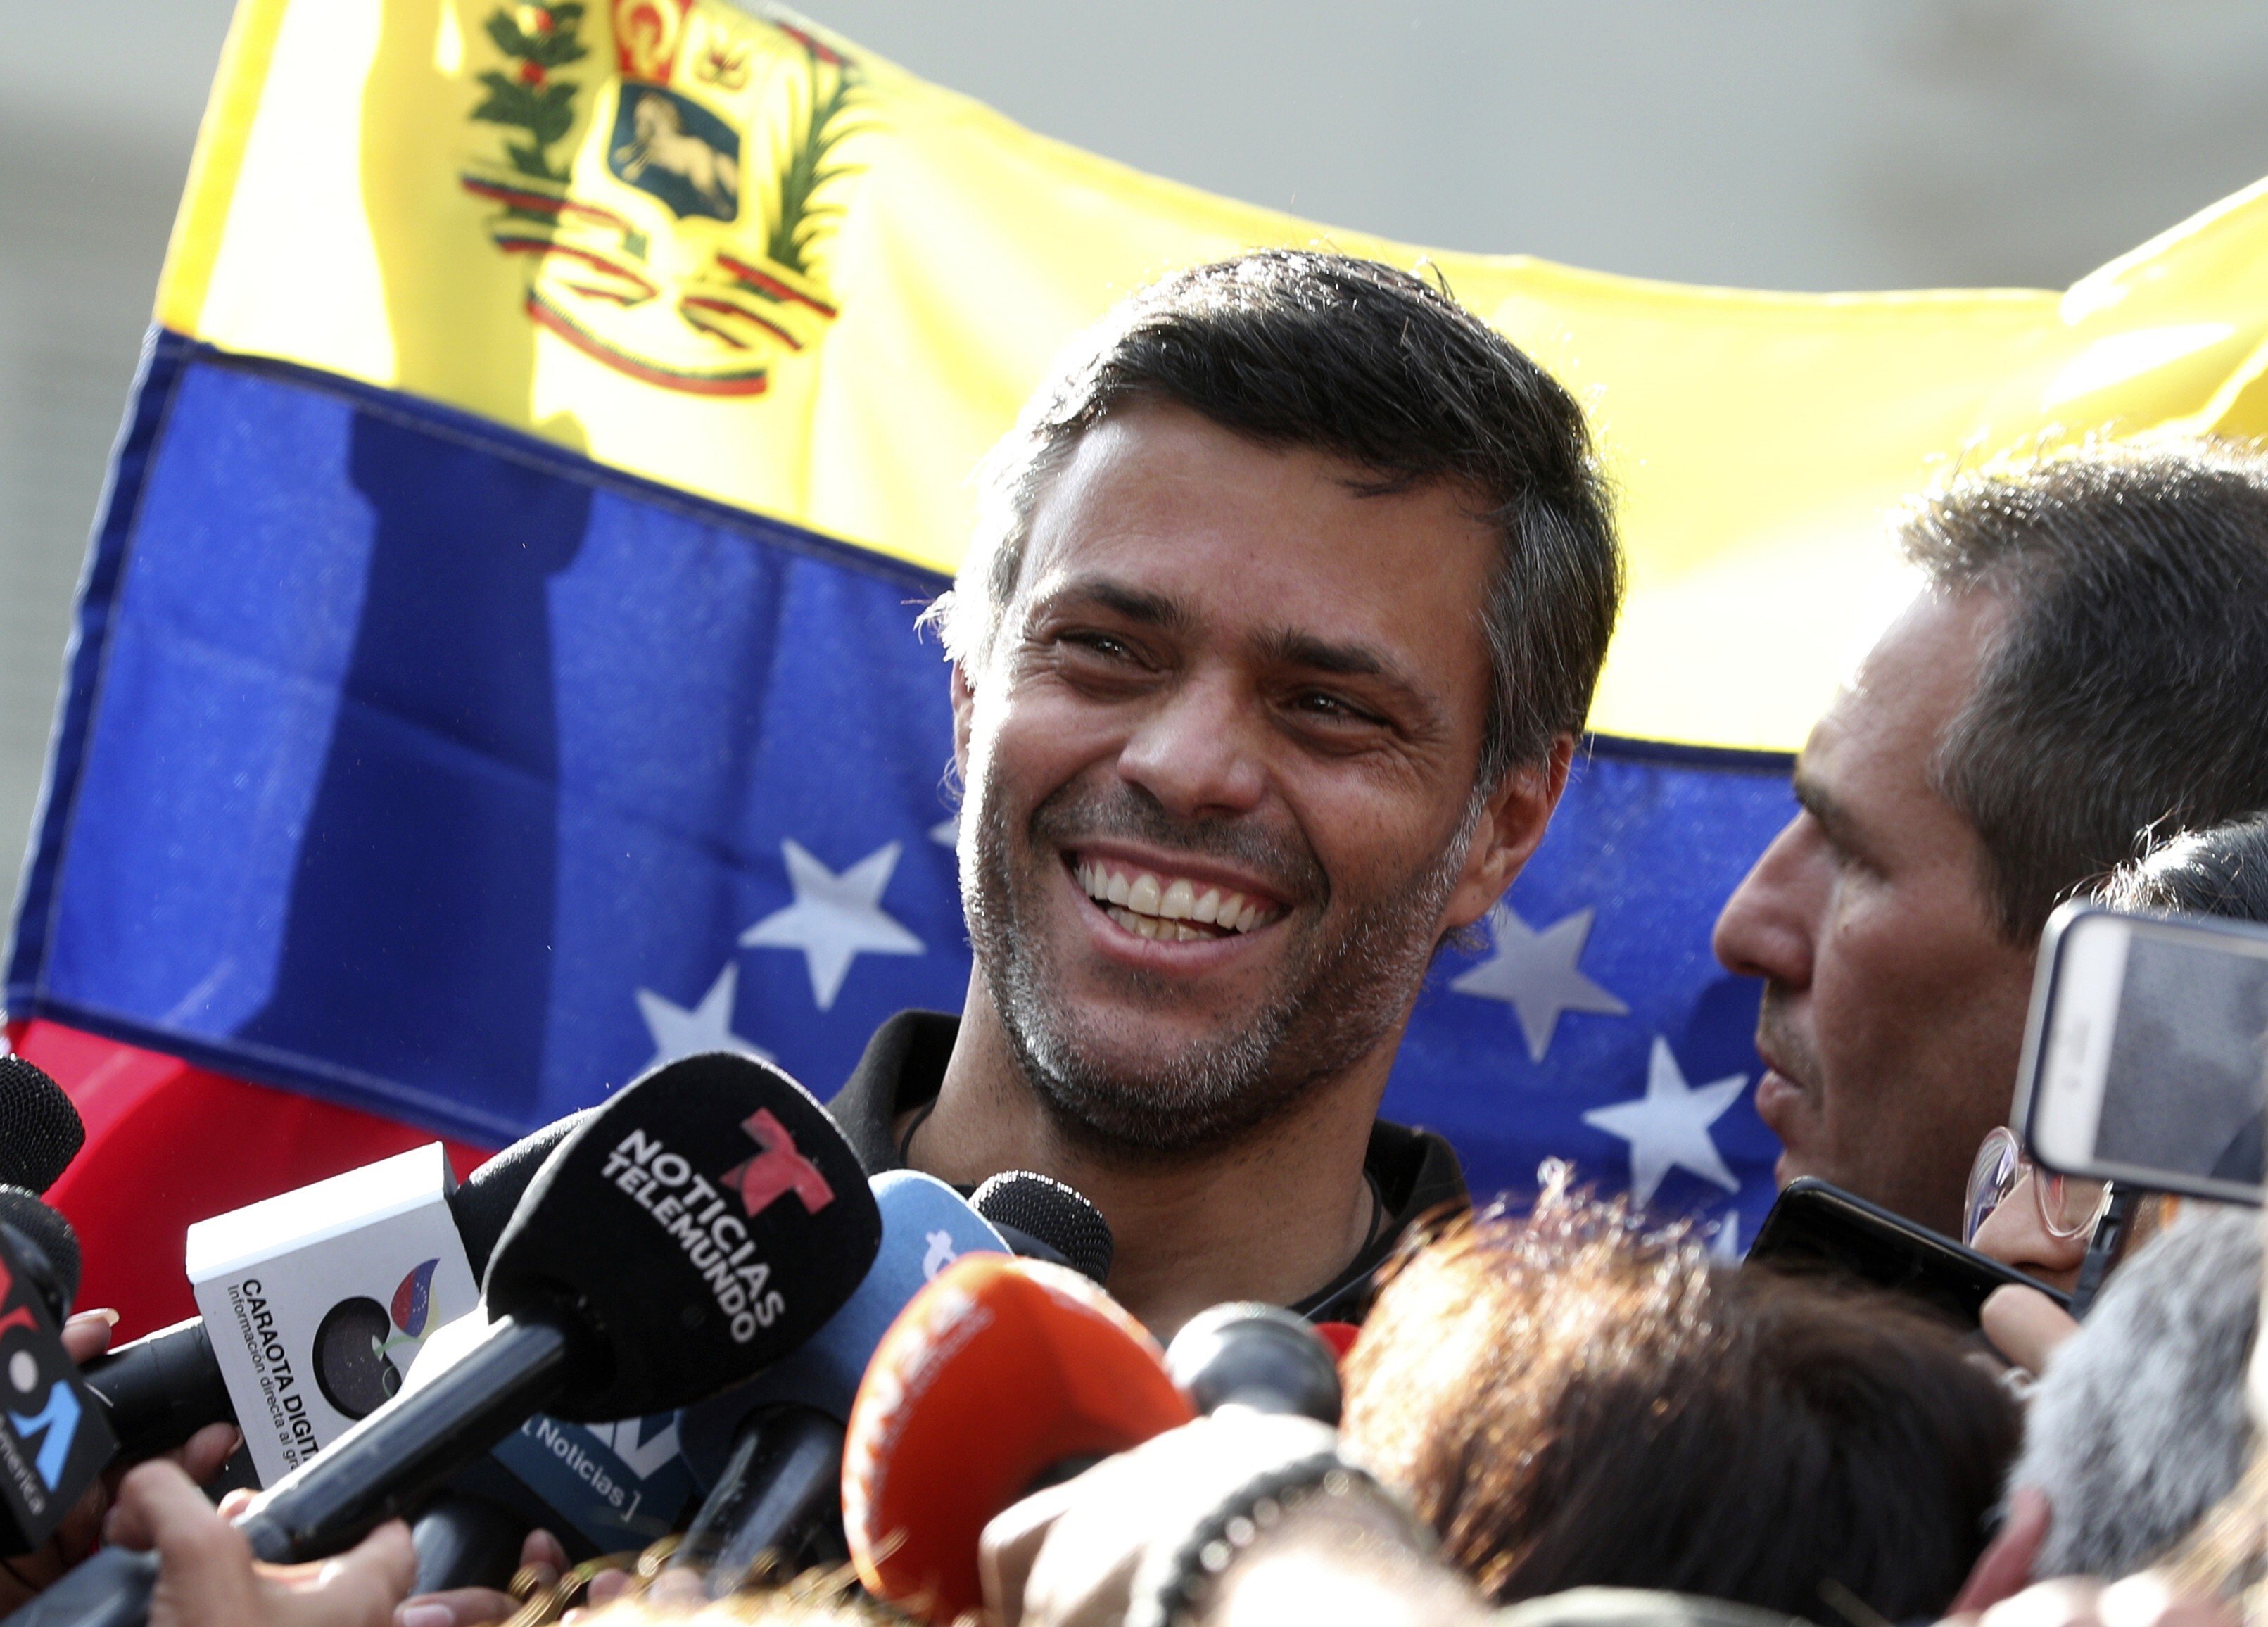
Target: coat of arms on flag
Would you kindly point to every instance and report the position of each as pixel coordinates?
(681, 246)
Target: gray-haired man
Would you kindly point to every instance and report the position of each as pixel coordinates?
(2087, 665)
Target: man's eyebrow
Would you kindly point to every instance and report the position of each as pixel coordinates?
(1833, 816)
(1133, 603)
(1286, 648)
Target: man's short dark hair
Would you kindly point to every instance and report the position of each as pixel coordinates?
(2126, 689)
(1373, 366)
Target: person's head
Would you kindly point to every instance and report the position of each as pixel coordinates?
(1571, 1401)
(1287, 605)
(2081, 668)
(2222, 870)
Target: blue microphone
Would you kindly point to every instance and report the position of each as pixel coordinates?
(770, 1452)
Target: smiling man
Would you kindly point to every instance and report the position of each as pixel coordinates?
(1287, 605)
(2084, 671)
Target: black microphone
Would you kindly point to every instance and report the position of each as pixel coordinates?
(1256, 1356)
(45, 1247)
(465, 1539)
(53, 1438)
(695, 1228)
(40, 1129)
(164, 1386)
(471, 1535)
(484, 1202)
(1045, 1220)
(161, 1389)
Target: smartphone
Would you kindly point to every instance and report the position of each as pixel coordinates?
(2143, 1055)
(1816, 1225)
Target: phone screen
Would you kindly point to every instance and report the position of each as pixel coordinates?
(2184, 1089)
(2158, 1040)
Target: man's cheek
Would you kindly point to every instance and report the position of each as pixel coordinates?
(1038, 752)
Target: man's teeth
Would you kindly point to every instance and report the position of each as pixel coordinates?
(1151, 926)
(1152, 908)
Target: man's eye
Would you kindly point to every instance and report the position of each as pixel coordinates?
(1104, 645)
(1331, 708)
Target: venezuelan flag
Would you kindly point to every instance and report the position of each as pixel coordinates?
(495, 669)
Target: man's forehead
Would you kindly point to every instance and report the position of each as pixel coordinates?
(1166, 503)
(1878, 738)
(1156, 473)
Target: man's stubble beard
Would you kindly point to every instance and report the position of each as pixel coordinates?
(1332, 1006)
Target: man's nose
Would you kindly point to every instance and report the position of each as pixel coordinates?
(1769, 926)
(1197, 749)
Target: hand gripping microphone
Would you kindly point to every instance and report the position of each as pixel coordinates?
(694, 1229)
(163, 1387)
(771, 1451)
(40, 1129)
(997, 1374)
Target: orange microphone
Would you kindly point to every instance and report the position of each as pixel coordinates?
(997, 1377)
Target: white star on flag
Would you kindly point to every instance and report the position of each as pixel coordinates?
(1668, 1128)
(1724, 1238)
(708, 1027)
(1534, 973)
(946, 832)
(835, 919)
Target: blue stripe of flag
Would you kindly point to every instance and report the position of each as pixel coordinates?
(435, 770)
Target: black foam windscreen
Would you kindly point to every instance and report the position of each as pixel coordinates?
(46, 1230)
(40, 1129)
(482, 1204)
(1258, 1356)
(705, 1221)
(1059, 1216)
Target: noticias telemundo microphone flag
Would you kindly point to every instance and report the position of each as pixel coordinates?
(496, 668)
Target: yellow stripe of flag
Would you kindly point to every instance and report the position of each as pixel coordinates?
(748, 259)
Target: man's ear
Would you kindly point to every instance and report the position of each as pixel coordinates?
(1512, 823)
(964, 711)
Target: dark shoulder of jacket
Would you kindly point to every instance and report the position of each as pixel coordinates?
(1417, 1174)
(903, 1067)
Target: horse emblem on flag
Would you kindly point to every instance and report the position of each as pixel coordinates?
(672, 215)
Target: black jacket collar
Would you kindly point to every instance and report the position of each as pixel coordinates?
(1416, 1171)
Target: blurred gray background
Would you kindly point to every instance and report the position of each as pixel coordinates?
(1788, 144)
